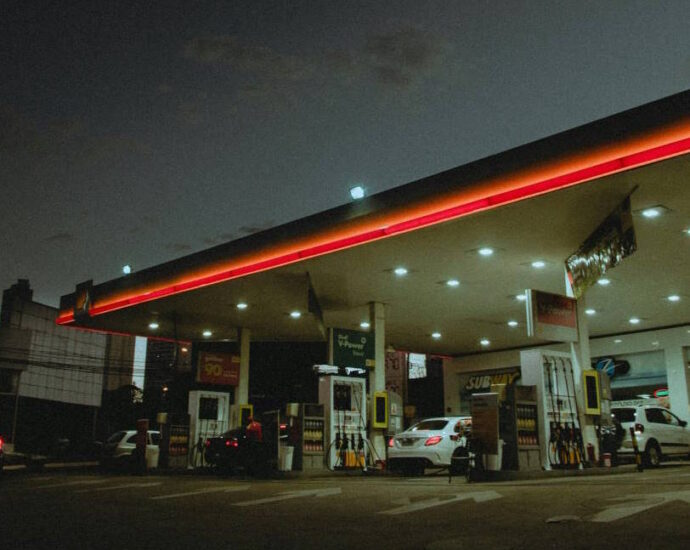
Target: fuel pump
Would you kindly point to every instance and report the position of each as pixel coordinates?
(345, 405)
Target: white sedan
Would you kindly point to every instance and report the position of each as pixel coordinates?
(429, 443)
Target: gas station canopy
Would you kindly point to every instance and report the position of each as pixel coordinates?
(537, 202)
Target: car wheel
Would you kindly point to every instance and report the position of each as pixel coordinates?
(652, 455)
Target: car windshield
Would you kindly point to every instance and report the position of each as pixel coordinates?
(624, 415)
(115, 437)
(438, 424)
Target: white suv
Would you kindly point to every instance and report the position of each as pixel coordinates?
(659, 432)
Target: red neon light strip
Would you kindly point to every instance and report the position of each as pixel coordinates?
(626, 162)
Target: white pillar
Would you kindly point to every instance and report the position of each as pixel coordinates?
(677, 374)
(242, 396)
(582, 360)
(377, 375)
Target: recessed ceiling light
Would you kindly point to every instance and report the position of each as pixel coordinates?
(452, 282)
(126, 269)
(436, 335)
(364, 324)
(295, 314)
(485, 251)
(520, 297)
(242, 305)
(153, 325)
(673, 298)
(400, 271)
(617, 341)
(357, 192)
(538, 264)
(604, 281)
(687, 231)
(634, 321)
(184, 349)
(512, 323)
(207, 334)
(653, 212)
(590, 311)
(485, 342)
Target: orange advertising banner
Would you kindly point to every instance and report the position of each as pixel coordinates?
(218, 368)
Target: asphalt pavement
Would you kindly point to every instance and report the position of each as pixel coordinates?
(81, 509)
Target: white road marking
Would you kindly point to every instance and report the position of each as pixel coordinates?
(231, 489)
(480, 496)
(291, 494)
(124, 486)
(640, 503)
(72, 483)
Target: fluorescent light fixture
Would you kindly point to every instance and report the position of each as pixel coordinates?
(400, 271)
(673, 298)
(485, 342)
(591, 311)
(655, 343)
(364, 324)
(242, 305)
(634, 321)
(436, 335)
(126, 269)
(295, 314)
(617, 341)
(538, 264)
(357, 192)
(651, 213)
(453, 282)
(687, 231)
(207, 334)
(153, 325)
(485, 251)
(604, 282)
(520, 297)
(512, 323)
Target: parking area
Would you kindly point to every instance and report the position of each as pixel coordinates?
(70, 509)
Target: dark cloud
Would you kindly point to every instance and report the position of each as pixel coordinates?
(260, 61)
(251, 229)
(61, 237)
(220, 238)
(399, 58)
(178, 247)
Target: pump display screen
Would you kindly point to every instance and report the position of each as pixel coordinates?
(208, 408)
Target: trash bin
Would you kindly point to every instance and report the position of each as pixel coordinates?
(493, 462)
(285, 453)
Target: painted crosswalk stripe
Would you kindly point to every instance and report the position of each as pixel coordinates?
(124, 486)
(72, 483)
(204, 491)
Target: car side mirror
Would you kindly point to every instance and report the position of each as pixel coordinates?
(683, 423)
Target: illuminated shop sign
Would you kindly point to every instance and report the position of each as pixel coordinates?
(352, 348)
(218, 368)
(551, 317)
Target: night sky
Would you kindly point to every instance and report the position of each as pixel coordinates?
(137, 132)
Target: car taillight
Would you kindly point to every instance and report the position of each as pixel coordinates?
(208, 443)
(433, 440)
(1, 443)
(231, 443)
(639, 428)
(391, 442)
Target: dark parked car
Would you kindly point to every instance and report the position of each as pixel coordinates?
(231, 450)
